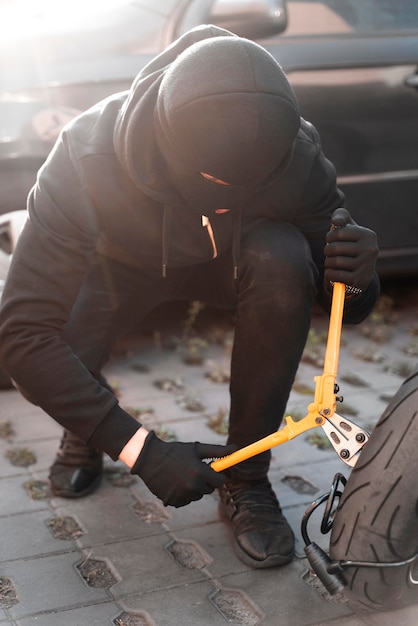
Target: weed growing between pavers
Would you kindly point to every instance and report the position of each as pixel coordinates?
(164, 433)
(169, 384)
(150, 512)
(130, 619)
(218, 373)
(146, 415)
(139, 412)
(193, 351)
(140, 367)
(64, 528)
(401, 368)
(236, 607)
(314, 348)
(190, 402)
(347, 409)
(219, 422)
(300, 485)
(37, 489)
(353, 379)
(302, 389)
(97, 573)
(369, 354)
(187, 554)
(379, 333)
(411, 348)
(318, 440)
(21, 457)
(6, 430)
(8, 596)
(379, 326)
(193, 312)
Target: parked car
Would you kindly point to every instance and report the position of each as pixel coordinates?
(353, 65)
(11, 225)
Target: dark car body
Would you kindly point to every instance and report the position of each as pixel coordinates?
(353, 65)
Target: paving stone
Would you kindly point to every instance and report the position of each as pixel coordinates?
(166, 410)
(13, 497)
(145, 565)
(150, 511)
(200, 513)
(133, 618)
(319, 474)
(6, 468)
(216, 540)
(188, 554)
(44, 451)
(13, 404)
(284, 598)
(294, 515)
(236, 607)
(196, 428)
(27, 535)
(140, 491)
(50, 583)
(404, 617)
(176, 567)
(107, 516)
(30, 423)
(93, 615)
(180, 605)
(8, 594)
(298, 450)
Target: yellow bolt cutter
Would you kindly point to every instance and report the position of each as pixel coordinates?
(346, 437)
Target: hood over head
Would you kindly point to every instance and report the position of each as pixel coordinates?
(226, 109)
(213, 103)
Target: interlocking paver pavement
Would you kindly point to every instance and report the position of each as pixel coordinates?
(119, 557)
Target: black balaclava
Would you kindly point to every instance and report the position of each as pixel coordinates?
(226, 108)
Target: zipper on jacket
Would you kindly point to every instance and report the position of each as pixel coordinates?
(206, 224)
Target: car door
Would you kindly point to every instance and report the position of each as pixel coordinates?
(354, 67)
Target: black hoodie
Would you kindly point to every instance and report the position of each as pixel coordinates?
(108, 186)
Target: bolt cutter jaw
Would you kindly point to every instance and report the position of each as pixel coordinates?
(346, 437)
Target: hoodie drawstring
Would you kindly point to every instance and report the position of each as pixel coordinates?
(167, 214)
(236, 239)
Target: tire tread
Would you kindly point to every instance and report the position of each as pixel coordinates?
(377, 517)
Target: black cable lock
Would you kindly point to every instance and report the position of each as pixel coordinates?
(330, 572)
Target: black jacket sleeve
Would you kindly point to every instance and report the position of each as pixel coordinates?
(321, 196)
(50, 261)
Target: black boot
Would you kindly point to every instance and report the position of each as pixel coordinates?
(77, 469)
(263, 538)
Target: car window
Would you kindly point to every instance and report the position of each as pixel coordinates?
(349, 16)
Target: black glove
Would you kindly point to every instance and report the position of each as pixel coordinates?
(175, 472)
(351, 252)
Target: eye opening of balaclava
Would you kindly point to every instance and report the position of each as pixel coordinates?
(226, 108)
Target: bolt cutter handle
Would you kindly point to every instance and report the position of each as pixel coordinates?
(321, 410)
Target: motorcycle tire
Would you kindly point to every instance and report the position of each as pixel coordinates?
(377, 516)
